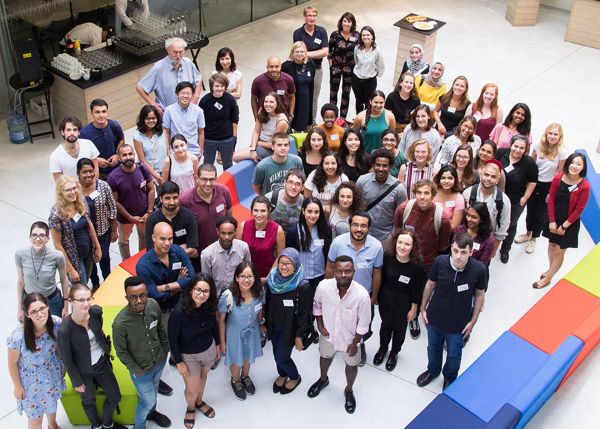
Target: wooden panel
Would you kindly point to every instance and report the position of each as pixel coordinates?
(406, 38)
(522, 12)
(583, 27)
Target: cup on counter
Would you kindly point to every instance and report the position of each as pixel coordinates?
(85, 74)
(75, 74)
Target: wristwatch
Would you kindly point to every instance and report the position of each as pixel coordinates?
(167, 287)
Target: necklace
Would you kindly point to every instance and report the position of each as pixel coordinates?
(37, 272)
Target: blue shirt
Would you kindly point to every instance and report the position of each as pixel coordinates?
(367, 258)
(105, 139)
(186, 122)
(163, 78)
(154, 273)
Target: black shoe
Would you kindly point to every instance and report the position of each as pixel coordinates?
(350, 404)
(414, 328)
(379, 356)
(363, 355)
(503, 257)
(248, 385)
(276, 387)
(447, 382)
(424, 379)
(285, 390)
(164, 388)
(160, 419)
(115, 425)
(238, 389)
(172, 361)
(316, 388)
(391, 362)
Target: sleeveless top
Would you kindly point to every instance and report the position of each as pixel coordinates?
(413, 175)
(485, 127)
(372, 132)
(182, 173)
(262, 249)
(450, 119)
(339, 225)
(267, 131)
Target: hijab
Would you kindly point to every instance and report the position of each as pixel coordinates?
(278, 284)
(416, 66)
(431, 81)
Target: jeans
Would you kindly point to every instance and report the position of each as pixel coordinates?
(282, 352)
(147, 389)
(105, 378)
(224, 146)
(363, 88)
(85, 268)
(104, 241)
(124, 233)
(435, 348)
(515, 213)
(56, 303)
(537, 209)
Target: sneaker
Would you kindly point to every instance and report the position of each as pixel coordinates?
(522, 238)
(238, 389)
(504, 257)
(414, 328)
(248, 385)
(530, 246)
(363, 355)
(160, 419)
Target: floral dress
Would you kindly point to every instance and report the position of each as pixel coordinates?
(41, 373)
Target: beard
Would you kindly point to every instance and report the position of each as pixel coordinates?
(71, 139)
(129, 163)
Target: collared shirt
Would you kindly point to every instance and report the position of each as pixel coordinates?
(155, 273)
(140, 339)
(383, 212)
(186, 122)
(104, 207)
(206, 214)
(220, 264)
(163, 77)
(284, 86)
(342, 317)
(318, 40)
(501, 230)
(185, 230)
(367, 258)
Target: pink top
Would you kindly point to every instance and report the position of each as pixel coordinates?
(448, 207)
(263, 245)
(343, 318)
(501, 135)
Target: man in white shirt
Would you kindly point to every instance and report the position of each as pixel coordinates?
(88, 34)
(126, 9)
(63, 159)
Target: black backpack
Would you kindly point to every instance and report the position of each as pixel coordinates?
(498, 200)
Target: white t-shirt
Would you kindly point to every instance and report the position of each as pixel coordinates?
(96, 351)
(547, 168)
(233, 77)
(328, 190)
(62, 162)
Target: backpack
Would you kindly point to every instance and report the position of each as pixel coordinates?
(275, 198)
(437, 217)
(498, 200)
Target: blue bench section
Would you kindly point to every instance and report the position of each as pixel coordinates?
(591, 214)
(242, 176)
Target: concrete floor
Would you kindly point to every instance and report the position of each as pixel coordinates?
(530, 64)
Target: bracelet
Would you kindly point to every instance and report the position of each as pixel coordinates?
(262, 322)
(167, 287)
(252, 150)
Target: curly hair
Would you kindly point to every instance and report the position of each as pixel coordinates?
(447, 168)
(357, 196)
(62, 203)
(306, 146)
(256, 290)
(320, 178)
(210, 305)
(415, 253)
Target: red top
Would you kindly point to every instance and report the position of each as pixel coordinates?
(577, 200)
(262, 248)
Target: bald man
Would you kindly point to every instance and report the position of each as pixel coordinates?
(273, 80)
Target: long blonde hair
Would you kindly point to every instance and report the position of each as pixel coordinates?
(546, 150)
(62, 203)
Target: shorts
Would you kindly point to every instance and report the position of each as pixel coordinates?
(326, 350)
(195, 362)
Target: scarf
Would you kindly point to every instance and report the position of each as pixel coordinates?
(279, 284)
(431, 81)
(416, 66)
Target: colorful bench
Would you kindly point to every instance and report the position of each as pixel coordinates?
(591, 214)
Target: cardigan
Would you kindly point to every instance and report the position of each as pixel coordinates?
(577, 200)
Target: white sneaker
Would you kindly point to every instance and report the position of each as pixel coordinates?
(522, 238)
(530, 246)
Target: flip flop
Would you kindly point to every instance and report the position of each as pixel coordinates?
(210, 413)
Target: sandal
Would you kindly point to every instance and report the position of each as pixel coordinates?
(54, 427)
(210, 412)
(537, 285)
(189, 423)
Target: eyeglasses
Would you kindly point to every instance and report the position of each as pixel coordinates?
(141, 296)
(151, 119)
(40, 310)
(294, 184)
(246, 277)
(71, 190)
(389, 139)
(38, 236)
(284, 264)
(83, 300)
(207, 179)
(462, 156)
(200, 291)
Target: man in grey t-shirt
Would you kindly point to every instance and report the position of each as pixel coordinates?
(269, 174)
(287, 202)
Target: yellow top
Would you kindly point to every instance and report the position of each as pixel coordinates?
(428, 94)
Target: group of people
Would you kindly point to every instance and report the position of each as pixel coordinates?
(401, 209)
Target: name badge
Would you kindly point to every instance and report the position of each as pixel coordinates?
(334, 137)
(450, 203)
(176, 266)
(404, 279)
(218, 105)
(572, 188)
(319, 242)
(258, 307)
(308, 73)
(352, 39)
(280, 92)
(462, 288)
(451, 109)
(288, 302)
(317, 41)
(153, 324)
(509, 169)
(143, 184)
(476, 246)
(76, 217)
(48, 269)
(180, 232)
(94, 195)
(220, 208)
(363, 265)
(261, 234)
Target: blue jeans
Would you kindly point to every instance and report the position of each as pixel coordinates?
(435, 349)
(104, 241)
(56, 304)
(85, 268)
(147, 389)
(224, 146)
(282, 352)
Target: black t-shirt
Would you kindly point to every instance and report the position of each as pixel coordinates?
(219, 114)
(517, 177)
(451, 305)
(406, 278)
(318, 40)
(191, 333)
(185, 228)
(401, 108)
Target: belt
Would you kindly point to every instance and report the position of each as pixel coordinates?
(53, 294)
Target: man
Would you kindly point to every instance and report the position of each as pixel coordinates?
(133, 191)
(208, 201)
(126, 9)
(367, 253)
(220, 259)
(63, 159)
(165, 74)
(106, 135)
(317, 44)
(333, 297)
(180, 219)
(186, 118)
(382, 193)
(141, 343)
(273, 80)
(270, 173)
(459, 282)
(333, 131)
(88, 34)
(287, 202)
(497, 202)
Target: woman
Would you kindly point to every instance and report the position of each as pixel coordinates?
(373, 121)
(241, 321)
(403, 280)
(486, 110)
(518, 121)
(448, 195)
(421, 127)
(415, 63)
(430, 86)
(403, 100)
(195, 342)
(222, 115)
(288, 315)
(390, 140)
(323, 182)
(314, 147)
(353, 159)
(549, 155)
(346, 200)
(33, 345)
(463, 162)
(452, 106)
(419, 166)
(85, 351)
(36, 272)
(149, 141)
(271, 119)
(463, 135)
(182, 166)
(486, 151)
(103, 214)
(478, 225)
(341, 60)
(302, 70)
(569, 193)
(264, 237)
(225, 64)
(72, 230)
(368, 61)
(521, 173)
